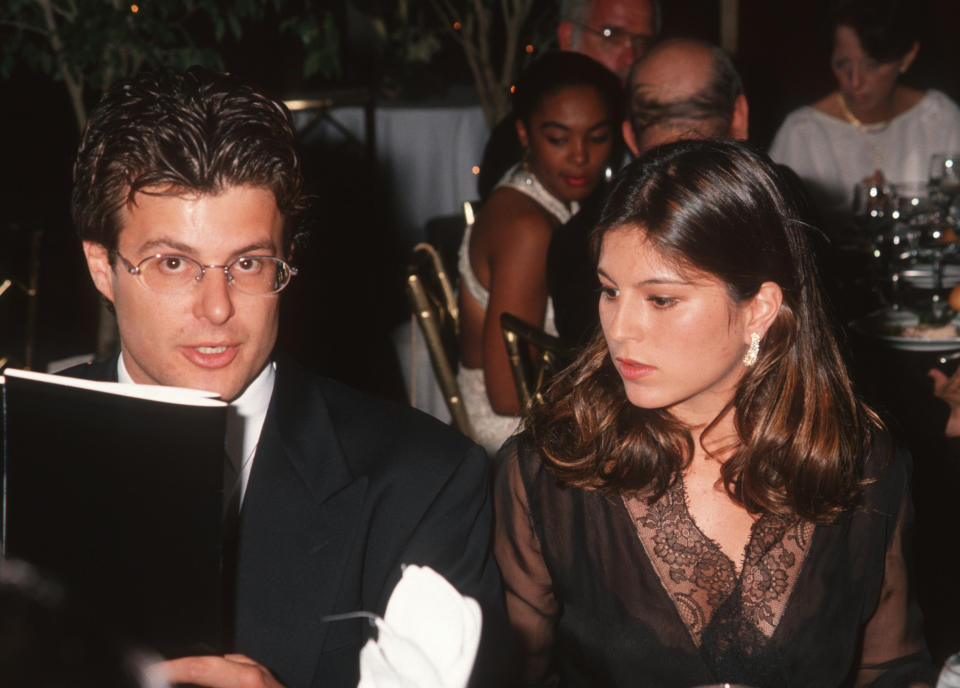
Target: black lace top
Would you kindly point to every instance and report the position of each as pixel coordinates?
(613, 591)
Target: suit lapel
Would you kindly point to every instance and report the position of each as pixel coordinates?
(298, 530)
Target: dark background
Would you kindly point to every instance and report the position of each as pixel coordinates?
(350, 292)
(339, 312)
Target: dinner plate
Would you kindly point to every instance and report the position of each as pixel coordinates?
(878, 326)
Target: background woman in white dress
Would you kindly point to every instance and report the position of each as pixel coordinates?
(567, 108)
(871, 122)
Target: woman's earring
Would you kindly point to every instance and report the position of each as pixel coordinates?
(525, 166)
(750, 358)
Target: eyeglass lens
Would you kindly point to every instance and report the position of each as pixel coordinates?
(250, 274)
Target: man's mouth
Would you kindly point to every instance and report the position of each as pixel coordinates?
(211, 349)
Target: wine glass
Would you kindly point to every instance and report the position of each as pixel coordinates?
(872, 199)
(945, 174)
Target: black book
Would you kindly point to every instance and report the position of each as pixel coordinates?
(117, 490)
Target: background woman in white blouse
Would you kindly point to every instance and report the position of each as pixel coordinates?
(871, 121)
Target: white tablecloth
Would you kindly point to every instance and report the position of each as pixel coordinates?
(426, 153)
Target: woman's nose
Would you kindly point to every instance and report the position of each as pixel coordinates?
(619, 325)
(578, 153)
(856, 77)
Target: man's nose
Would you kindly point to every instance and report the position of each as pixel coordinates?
(214, 297)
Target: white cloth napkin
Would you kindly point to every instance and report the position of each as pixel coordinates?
(428, 637)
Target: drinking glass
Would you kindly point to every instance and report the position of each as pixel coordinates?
(945, 173)
(871, 199)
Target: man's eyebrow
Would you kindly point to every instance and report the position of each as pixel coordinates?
(164, 242)
(167, 243)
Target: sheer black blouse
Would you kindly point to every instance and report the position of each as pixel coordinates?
(609, 590)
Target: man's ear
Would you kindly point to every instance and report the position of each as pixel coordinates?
(98, 263)
(630, 138)
(565, 35)
(740, 124)
(763, 309)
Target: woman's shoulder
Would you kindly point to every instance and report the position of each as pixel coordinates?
(938, 104)
(886, 473)
(804, 119)
(510, 212)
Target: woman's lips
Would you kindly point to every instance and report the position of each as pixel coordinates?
(211, 355)
(633, 370)
(577, 181)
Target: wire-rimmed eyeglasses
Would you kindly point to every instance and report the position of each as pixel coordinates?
(170, 273)
(615, 35)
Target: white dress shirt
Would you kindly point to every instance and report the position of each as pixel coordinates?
(245, 417)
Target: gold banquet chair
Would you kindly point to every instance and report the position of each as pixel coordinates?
(435, 307)
(534, 356)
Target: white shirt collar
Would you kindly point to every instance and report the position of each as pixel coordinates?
(244, 419)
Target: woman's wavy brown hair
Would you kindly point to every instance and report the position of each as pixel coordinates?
(722, 208)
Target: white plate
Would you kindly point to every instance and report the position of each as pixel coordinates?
(874, 324)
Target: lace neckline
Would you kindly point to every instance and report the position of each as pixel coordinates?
(709, 596)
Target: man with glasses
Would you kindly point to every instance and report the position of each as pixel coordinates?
(188, 202)
(615, 33)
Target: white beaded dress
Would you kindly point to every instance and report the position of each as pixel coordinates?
(491, 428)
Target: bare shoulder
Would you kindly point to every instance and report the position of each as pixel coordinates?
(510, 217)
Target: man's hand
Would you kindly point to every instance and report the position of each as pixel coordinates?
(229, 671)
(948, 389)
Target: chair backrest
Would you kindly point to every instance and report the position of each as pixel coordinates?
(19, 295)
(534, 356)
(435, 307)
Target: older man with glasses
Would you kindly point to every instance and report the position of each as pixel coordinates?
(615, 33)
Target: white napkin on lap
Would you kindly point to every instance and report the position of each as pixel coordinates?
(428, 637)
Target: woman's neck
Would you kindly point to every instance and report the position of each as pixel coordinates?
(900, 100)
(716, 441)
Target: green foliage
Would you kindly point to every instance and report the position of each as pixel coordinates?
(89, 44)
(320, 40)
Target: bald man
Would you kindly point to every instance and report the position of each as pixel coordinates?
(682, 89)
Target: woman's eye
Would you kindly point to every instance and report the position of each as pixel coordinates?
(609, 292)
(662, 301)
(599, 139)
(555, 141)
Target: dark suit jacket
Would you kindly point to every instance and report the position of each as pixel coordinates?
(345, 488)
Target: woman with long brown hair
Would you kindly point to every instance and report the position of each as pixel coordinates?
(701, 497)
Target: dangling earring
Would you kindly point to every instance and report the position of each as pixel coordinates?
(525, 166)
(750, 358)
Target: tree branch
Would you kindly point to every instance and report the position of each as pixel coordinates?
(29, 28)
(73, 82)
